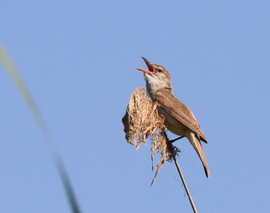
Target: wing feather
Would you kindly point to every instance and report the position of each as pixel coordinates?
(180, 111)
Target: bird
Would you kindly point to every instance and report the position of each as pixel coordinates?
(178, 118)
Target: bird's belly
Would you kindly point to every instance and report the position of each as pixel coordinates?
(172, 123)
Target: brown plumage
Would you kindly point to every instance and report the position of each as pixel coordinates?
(185, 115)
(178, 117)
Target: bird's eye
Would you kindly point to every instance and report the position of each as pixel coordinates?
(159, 69)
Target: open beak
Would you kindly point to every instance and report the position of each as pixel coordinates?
(150, 68)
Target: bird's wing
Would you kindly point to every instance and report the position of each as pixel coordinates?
(180, 111)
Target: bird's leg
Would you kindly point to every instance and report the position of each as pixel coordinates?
(171, 141)
(165, 134)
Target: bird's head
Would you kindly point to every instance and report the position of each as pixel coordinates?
(156, 77)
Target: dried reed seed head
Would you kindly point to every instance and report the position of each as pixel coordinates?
(140, 118)
(141, 121)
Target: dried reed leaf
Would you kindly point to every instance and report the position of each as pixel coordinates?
(141, 121)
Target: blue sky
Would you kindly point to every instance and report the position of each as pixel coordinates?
(78, 60)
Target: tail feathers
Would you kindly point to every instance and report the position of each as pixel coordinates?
(195, 142)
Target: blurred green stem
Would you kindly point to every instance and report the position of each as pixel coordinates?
(14, 75)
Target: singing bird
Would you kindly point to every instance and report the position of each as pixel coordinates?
(178, 117)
